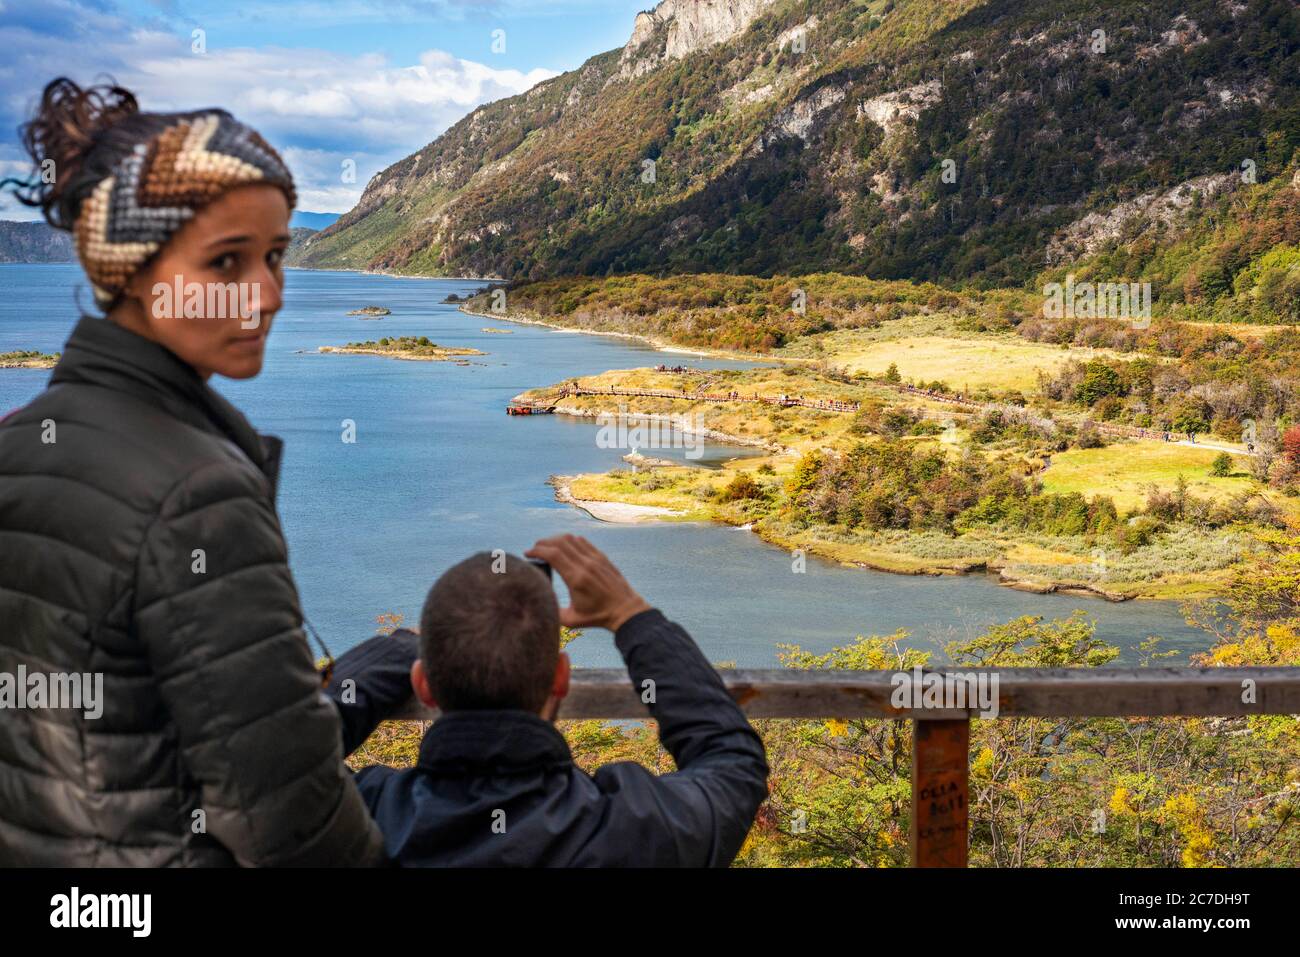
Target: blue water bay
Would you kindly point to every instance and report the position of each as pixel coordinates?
(438, 471)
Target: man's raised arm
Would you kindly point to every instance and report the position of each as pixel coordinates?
(706, 807)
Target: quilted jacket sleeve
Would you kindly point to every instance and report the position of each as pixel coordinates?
(218, 614)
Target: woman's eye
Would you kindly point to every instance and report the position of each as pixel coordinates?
(224, 262)
(274, 256)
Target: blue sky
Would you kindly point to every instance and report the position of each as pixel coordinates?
(326, 82)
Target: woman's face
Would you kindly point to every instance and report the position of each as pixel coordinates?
(211, 292)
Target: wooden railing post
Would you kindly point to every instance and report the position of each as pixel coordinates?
(940, 792)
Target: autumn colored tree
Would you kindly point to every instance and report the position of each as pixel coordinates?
(1291, 444)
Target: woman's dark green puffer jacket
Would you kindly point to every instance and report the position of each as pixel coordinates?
(139, 539)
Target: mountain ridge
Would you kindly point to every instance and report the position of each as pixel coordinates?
(956, 142)
(34, 242)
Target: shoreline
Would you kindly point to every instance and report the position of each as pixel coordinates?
(614, 513)
(628, 513)
(393, 275)
(659, 345)
(993, 569)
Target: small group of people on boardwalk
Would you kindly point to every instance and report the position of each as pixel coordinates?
(958, 397)
(831, 405)
(1165, 435)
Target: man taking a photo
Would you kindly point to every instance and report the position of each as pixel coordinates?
(495, 783)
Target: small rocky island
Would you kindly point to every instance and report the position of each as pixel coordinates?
(497, 332)
(371, 312)
(419, 348)
(27, 359)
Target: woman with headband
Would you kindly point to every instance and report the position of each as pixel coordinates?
(141, 557)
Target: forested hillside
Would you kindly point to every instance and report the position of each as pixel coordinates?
(966, 142)
(33, 242)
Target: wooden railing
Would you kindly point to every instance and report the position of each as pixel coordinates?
(1108, 428)
(968, 406)
(941, 737)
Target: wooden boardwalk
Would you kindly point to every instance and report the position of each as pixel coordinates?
(1106, 428)
(784, 401)
(969, 406)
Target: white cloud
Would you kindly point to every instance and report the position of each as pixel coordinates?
(359, 108)
(315, 104)
(319, 177)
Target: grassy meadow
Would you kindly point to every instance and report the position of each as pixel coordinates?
(1126, 471)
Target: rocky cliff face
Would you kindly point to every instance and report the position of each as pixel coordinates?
(677, 28)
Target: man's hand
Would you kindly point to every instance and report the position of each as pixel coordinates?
(598, 593)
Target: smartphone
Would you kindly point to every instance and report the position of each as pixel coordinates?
(545, 568)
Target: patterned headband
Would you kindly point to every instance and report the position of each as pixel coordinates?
(160, 186)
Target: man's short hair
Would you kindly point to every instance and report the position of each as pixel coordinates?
(490, 635)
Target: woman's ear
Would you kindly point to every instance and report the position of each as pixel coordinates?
(141, 284)
(130, 311)
(420, 684)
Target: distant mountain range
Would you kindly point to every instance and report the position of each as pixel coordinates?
(36, 242)
(312, 221)
(985, 142)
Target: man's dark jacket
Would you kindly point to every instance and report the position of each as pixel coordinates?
(500, 788)
(139, 539)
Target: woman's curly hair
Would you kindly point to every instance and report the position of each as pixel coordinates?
(75, 138)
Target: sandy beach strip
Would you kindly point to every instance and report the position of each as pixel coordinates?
(617, 513)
